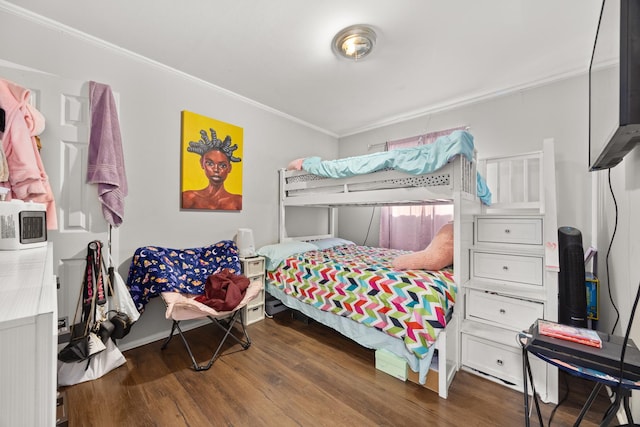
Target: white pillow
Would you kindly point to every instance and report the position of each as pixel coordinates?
(331, 242)
(278, 252)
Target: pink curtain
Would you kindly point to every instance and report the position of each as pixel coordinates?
(412, 227)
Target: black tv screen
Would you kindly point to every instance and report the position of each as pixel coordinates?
(614, 84)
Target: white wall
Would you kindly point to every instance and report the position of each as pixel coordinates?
(151, 99)
(623, 274)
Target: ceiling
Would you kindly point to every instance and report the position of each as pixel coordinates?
(430, 54)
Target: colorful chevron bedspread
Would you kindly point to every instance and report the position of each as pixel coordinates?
(359, 283)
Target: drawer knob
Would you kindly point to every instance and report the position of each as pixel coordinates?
(503, 311)
(505, 268)
(507, 231)
(499, 362)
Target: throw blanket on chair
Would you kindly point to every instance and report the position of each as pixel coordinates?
(154, 269)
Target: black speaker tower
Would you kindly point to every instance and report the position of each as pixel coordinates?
(572, 292)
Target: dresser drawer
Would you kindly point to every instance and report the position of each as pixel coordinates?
(255, 279)
(506, 312)
(524, 231)
(252, 266)
(493, 359)
(253, 314)
(523, 269)
(499, 360)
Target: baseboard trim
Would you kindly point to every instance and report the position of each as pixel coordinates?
(159, 336)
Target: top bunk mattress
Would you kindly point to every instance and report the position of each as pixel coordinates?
(440, 168)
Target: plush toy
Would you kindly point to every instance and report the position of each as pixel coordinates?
(438, 255)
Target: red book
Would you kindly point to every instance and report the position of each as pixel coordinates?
(569, 333)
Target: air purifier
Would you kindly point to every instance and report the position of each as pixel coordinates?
(572, 291)
(244, 241)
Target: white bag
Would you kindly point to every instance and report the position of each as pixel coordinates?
(122, 299)
(95, 344)
(99, 364)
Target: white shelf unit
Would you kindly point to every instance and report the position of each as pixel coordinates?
(29, 336)
(253, 269)
(513, 266)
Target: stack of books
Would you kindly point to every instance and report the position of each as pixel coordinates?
(570, 333)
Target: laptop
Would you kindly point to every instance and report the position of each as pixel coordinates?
(605, 359)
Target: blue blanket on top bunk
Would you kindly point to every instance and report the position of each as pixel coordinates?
(416, 160)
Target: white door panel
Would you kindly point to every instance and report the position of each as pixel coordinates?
(65, 140)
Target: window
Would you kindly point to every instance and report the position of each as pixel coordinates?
(412, 227)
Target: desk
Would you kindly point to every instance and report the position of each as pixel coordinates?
(622, 388)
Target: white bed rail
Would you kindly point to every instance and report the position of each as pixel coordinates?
(515, 181)
(390, 187)
(526, 183)
(382, 188)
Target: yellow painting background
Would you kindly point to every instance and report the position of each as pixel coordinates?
(193, 177)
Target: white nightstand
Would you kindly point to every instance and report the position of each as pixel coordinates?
(253, 269)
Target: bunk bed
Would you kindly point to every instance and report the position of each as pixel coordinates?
(445, 176)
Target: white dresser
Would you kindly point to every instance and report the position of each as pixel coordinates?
(28, 333)
(505, 295)
(513, 272)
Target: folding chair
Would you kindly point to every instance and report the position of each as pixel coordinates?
(185, 307)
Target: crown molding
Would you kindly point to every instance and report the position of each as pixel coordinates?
(466, 101)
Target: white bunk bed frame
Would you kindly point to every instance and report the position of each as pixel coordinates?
(455, 183)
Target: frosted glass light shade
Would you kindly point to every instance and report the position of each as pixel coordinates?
(354, 42)
(244, 241)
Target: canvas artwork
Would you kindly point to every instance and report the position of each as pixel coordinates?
(211, 164)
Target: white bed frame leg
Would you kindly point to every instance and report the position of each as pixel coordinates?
(443, 391)
(447, 347)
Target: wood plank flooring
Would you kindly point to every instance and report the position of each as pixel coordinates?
(294, 374)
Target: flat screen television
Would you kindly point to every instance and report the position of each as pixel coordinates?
(614, 84)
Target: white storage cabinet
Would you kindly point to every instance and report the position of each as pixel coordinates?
(505, 295)
(253, 269)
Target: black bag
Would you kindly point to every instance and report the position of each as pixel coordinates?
(76, 351)
(121, 323)
(105, 330)
(80, 347)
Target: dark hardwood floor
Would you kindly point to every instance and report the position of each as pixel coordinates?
(294, 374)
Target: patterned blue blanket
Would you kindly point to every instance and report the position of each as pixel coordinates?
(155, 269)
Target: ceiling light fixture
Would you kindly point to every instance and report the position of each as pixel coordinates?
(354, 42)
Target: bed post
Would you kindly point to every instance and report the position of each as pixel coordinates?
(282, 232)
(332, 221)
(463, 216)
